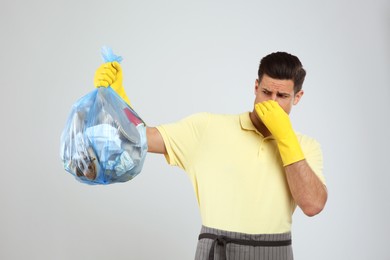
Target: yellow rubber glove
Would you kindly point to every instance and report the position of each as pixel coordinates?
(278, 123)
(110, 74)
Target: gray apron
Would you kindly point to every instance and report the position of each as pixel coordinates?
(215, 244)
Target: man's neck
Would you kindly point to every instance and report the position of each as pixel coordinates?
(259, 125)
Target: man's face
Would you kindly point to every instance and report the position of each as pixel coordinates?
(279, 90)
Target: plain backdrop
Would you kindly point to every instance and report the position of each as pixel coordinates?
(183, 57)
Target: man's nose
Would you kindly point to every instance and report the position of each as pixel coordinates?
(274, 97)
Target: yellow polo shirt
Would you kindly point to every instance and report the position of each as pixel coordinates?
(237, 174)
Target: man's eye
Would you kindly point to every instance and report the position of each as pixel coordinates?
(282, 96)
(266, 92)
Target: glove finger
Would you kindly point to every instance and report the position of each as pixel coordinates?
(101, 83)
(97, 80)
(259, 107)
(104, 75)
(105, 69)
(108, 75)
(108, 66)
(274, 104)
(116, 66)
(277, 108)
(267, 105)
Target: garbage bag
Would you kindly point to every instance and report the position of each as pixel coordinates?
(104, 139)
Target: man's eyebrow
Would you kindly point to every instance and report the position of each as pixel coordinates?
(266, 89)
(284, 94)
(278, 93)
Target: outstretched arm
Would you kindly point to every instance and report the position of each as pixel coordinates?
(110, 74)
(155, 141)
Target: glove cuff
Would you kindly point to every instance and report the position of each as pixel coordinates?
(290, 150)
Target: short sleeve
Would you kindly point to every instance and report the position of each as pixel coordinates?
(313, 155)
(183, 138)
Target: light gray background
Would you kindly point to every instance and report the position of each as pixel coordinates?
(182, 57)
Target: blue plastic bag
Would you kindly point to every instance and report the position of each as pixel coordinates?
(104, 140)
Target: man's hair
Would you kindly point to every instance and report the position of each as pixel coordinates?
(282, 65)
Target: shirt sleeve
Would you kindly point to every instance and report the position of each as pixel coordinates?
(183, 139)
(313, 155)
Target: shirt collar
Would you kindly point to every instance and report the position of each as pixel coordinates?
(246, 124)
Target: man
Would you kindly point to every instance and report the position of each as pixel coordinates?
(249, 171)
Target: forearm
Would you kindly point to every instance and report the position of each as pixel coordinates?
(308, 191)
(155, 141)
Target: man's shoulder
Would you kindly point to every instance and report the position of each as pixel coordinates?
(216, 116)
(306, 140)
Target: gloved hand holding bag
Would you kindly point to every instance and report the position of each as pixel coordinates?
(104, 139)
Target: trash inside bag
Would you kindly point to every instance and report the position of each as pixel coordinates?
(104, 140)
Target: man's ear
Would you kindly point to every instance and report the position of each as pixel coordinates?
(257, 83)
(298, 96)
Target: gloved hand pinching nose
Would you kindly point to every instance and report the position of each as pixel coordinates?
(278, 123)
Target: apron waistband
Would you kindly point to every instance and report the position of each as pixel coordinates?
(222, 241)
